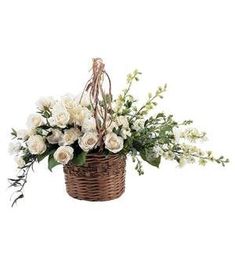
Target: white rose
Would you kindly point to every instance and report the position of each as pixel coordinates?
(88, 141)
(55, 137)
(70, 136)
(60, 115)
(89, 124)
(69, 102)
(122, 120)
(84, 100)
(22, 134)
(35, 120)
(81, 114)
(36, 144)
(138, 124)
(45, 103)
(14, 147)
(125, 132)
(113, 142)
(63, 154)
(20, 162)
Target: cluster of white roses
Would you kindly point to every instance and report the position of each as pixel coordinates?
(63, 123)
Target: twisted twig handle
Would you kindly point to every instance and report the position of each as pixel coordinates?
(100, 101)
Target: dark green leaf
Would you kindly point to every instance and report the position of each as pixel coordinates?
(46, 153)
(152, 161)
(13, 132)
(52, 162)
(20, 196)
(79, 159)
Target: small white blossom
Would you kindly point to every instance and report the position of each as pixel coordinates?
(125, 132)
(14, 148)
(169, 155)
(182, 162)
(122, 121)
(110, 125)
(158, 151)
(138, 124)
(19, 161)
(177, 134)
(165, 146)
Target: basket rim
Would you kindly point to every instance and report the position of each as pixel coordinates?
(98, 157)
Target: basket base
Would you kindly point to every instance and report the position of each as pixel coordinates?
(88, 199)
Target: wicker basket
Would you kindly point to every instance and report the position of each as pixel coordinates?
(102, 178)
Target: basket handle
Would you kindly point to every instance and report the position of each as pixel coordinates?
(101, 102)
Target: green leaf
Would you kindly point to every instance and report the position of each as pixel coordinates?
(52, 162)
(13, 132)
(79, 159)
(46, 153)
(152, 161)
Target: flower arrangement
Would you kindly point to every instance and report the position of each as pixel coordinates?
(67, 130)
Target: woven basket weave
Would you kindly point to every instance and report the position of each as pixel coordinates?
(101, 178)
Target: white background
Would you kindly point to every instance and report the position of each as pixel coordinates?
(46, 49)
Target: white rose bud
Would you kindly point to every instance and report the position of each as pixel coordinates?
(88, 141)
(113, 142)
(36, 144)
(63, 154)
(45, 103)
(55, 137)
(14, 148)
(35, 120)
(19, 161)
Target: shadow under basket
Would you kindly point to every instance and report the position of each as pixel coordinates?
(101, 178)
